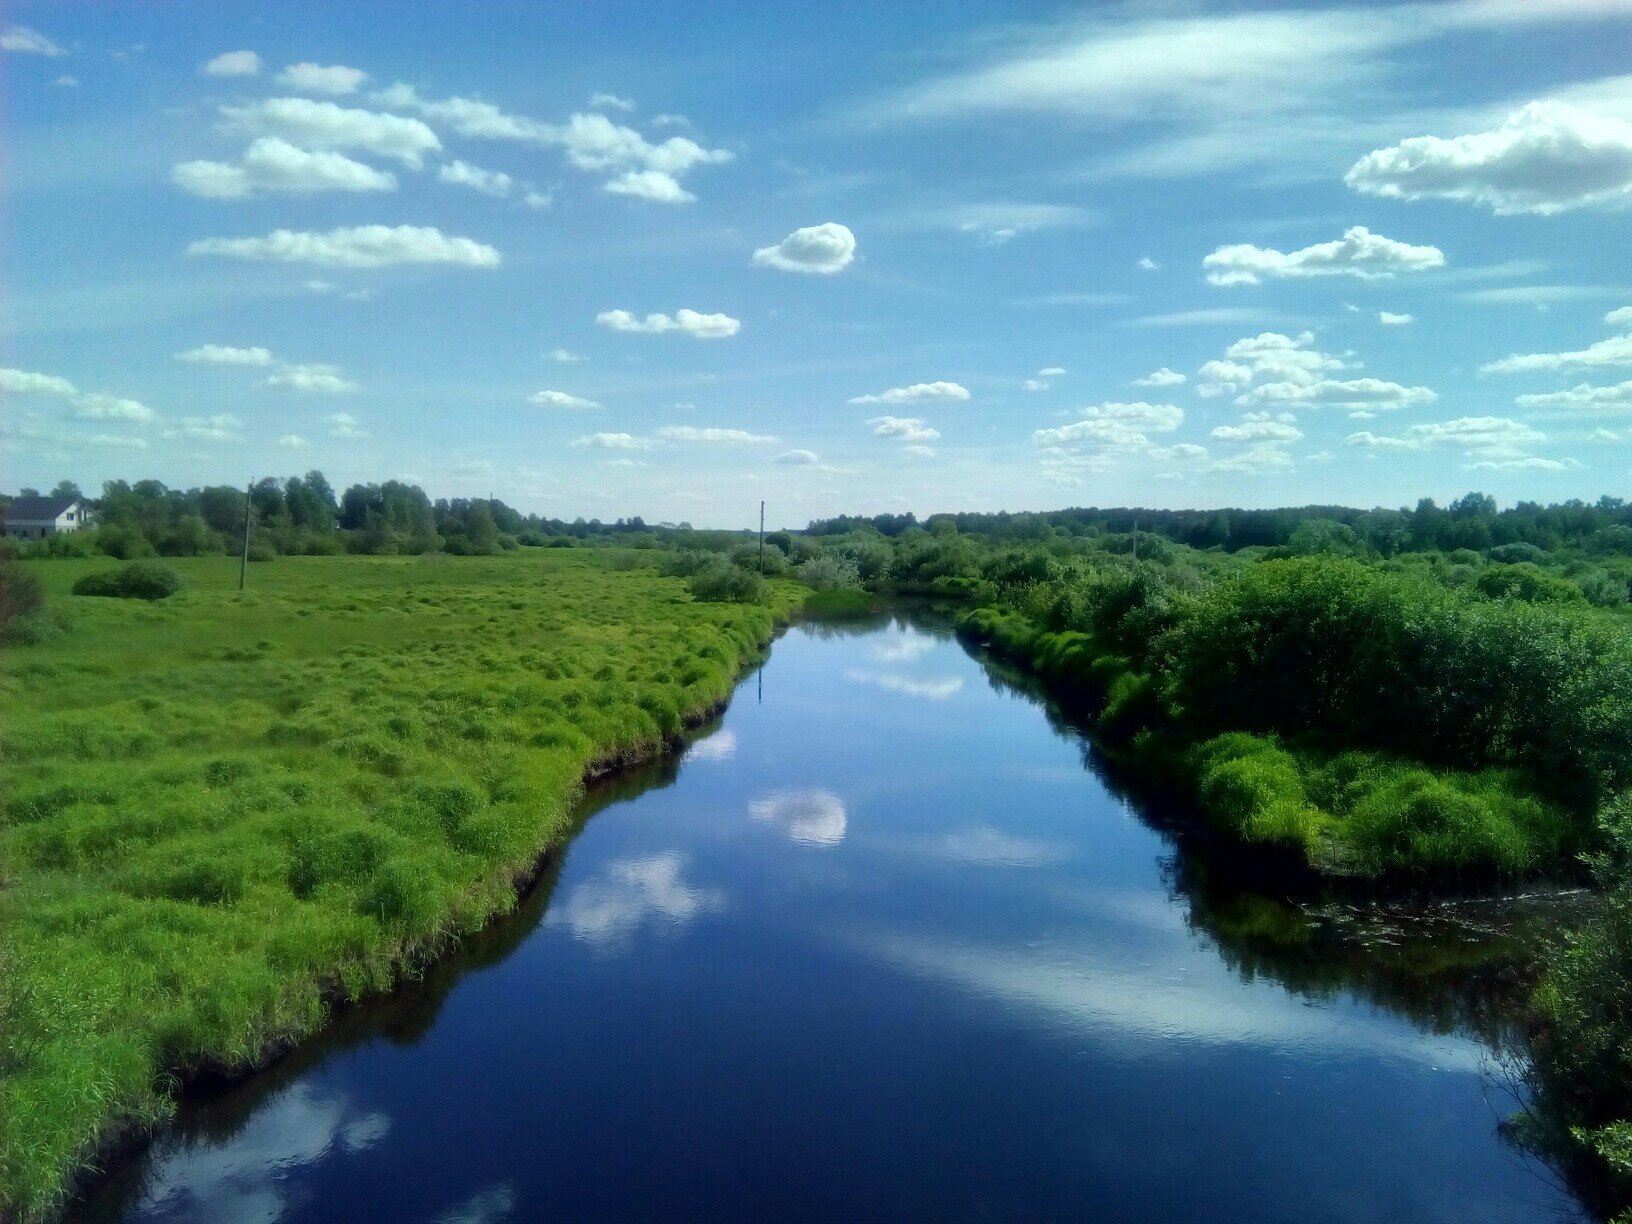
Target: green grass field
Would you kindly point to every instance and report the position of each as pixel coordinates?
(222, 811)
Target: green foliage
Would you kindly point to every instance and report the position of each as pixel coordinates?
(137, 580)
(1527, 583)
(829, 573)
(1403, 665)
(214, 810)
(722, 582)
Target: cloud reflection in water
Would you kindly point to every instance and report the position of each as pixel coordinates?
(812, 817)
(606, 910)
(242, 1180)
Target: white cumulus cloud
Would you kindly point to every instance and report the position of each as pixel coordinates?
(821, 249)
(1358, 253)
(689, 433)
(690, 322)
(613, 441)
(318, 78)
(25, 382)
(28, 42)
(232, 64)
(916, 393)
(98, 407)
(272, 164)
(560, 399)
(361, 246)
(1546, 158)
(1163, 377)
(903, 429)
(1615, 351)
(1390, 319)
(322, 379)
(463, 174)
(225, 354)
(798, 458)
(326, 125)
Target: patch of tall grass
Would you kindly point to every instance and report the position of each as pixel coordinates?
(222, 812)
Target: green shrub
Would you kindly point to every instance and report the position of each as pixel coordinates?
(138, 580)
(723, 582)
(22, 594)
(1527, 583)
(829, 573)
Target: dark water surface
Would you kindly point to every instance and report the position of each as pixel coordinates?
(882, 948)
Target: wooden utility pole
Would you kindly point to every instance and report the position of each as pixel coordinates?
(762, 539)
(243, 560)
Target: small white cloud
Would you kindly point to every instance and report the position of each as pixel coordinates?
(903, 429)
(798, 458)
(344, 425)
(25, 41)
(1581, 397)
(1257, 431)
(613, 441)
(657, 185)
(560, 399)
(690, 322)
(564, 356)
(317, 78)
(1491, 436)
(1615, 351)
(321, 126)
(689, 433)
(819, 249)
(66, 82)
(274, 165)
(1390, 319)
(537, 199)
(116, 442)
(463, 174)
(321, 379)
(1547, 158)
(918, 452)
(224, 354)
(1358, 253)
(1147, 264)
(1163, 377)
(1051, 372)
(606, 101)
(293, 442)
(362, 246)
(223, 427)
(25, 382)
(233, 64)
(112, 408)
(916, 393)
(1619, 318)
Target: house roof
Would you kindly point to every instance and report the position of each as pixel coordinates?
(33, 509)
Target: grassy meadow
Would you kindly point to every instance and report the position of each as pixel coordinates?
(224, 811)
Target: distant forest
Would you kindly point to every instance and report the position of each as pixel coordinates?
(1471, 521)
(303, 515)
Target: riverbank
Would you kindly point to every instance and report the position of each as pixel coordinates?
(227, 813)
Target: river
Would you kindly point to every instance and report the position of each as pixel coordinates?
(889, 943)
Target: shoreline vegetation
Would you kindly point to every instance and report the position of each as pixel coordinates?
(228, 813)
(1428, 701)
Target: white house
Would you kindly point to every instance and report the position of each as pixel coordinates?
(34, 518)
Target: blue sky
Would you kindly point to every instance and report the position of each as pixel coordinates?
(608, 259)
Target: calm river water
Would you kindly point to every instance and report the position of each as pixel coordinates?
(886, 945)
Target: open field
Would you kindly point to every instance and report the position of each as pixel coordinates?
(223, 811)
